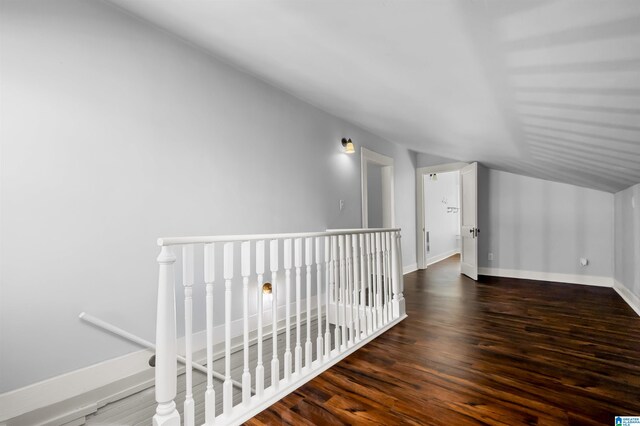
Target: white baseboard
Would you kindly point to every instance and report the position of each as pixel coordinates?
(548, 276)
(441, 257)
(116, 373)
(407, 269)
(83, 391)
(632, 300)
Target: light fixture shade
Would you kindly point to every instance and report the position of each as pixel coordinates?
(349, 148)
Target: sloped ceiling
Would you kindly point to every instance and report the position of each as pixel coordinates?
(544, 88)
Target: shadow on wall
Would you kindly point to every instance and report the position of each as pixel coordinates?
(575, 117)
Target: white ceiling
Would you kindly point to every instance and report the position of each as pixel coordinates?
(546, 88)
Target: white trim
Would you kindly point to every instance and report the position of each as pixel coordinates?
(87, 386)
(68, 409)
(442, 168)
(83, 391)
(441, 257)
(420, 228)
(548, 276)
(388, 185)
(407, 269)
(632, 300)
(313, 372)
(375, 157)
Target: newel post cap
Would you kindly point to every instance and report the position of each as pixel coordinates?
(166, 256)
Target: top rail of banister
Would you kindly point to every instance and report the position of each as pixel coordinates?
(172, 241)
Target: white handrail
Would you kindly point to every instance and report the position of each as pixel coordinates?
(171, 241)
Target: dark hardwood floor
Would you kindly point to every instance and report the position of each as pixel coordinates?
(500, 351)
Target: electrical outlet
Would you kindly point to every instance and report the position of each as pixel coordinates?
(490, 256)
(341, 205)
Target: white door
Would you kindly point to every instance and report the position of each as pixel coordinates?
(469, 226)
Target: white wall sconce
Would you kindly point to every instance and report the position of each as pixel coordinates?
(349, 148)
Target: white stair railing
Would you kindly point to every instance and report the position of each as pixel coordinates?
(358, 295)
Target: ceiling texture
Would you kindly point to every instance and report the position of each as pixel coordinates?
(544, 88)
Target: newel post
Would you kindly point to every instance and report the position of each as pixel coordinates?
(166, 355)
(398, 280)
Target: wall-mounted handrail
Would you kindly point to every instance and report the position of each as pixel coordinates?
(147, 344)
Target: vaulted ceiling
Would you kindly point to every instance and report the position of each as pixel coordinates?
(545, 88)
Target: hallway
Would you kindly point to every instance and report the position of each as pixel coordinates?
(501, 351)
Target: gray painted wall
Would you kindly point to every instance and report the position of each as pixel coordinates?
(426, 160)
(115, 133)
(536, 225)
(627, 238)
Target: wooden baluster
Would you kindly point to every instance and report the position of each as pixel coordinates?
(260, 294)
(335, 290)
(227, 386)
(209, 278)
(245, 252)
(327, 269)
(389, 276)
(187, 282)
(362, 307)
(385, 276)
(398, 297)
(355, 311)
(298, 265)
(287, 272)
(378, 260)
(166, 353)
(401, 273)
(319, 340)
(275, 365)
(371, 278)
(394, 276)
(308, 257)
(347, 290)
(342, 293)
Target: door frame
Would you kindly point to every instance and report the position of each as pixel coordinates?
(367, 157)
(420, 229)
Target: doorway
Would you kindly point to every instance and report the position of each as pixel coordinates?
(436, 222)
(378, 208)
(441, 216)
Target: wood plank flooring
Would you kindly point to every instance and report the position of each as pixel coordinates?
(499, 351)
